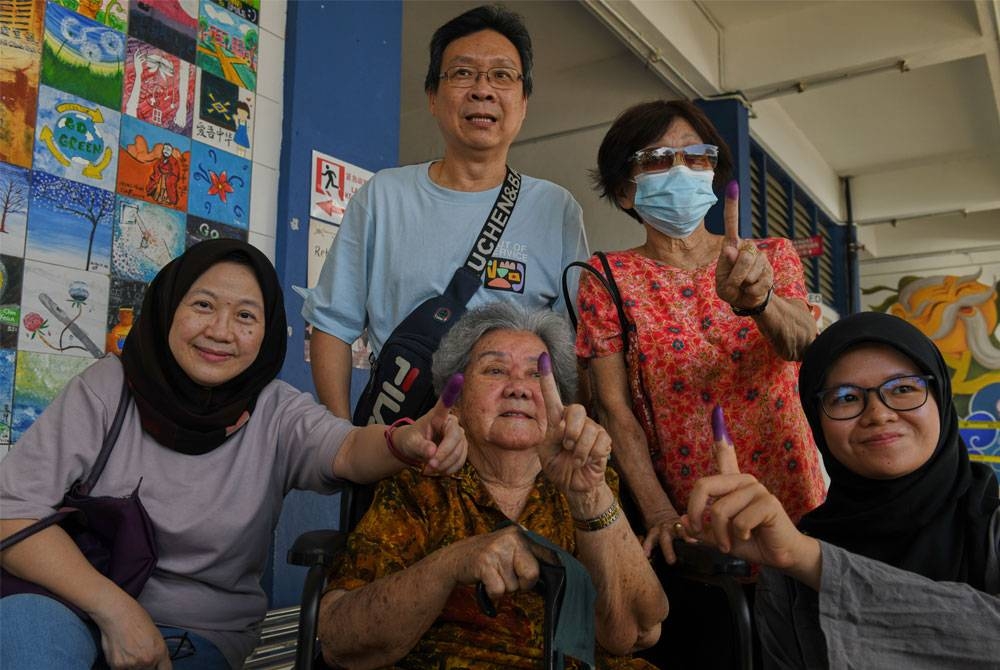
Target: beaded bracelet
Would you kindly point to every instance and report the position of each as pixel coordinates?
(605, 519)
(393, 449)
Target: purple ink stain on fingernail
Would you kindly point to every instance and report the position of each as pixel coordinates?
(733, 190)
(452, 389)
(719, 431)
(545, 363)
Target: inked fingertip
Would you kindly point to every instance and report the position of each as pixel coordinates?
(545, 363)
(733, 190)
(452, 389)
(719, 431)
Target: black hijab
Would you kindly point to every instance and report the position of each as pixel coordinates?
(178, 413)
(933, 521)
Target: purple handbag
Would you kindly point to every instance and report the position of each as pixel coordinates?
(114, 534)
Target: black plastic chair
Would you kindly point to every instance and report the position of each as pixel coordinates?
(704, 565)
(701, 566)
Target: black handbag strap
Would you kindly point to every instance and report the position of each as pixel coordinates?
(80, 488)
(607, 280)
(489, 237)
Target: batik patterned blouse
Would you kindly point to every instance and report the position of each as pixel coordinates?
(413, 516)
(694, 353)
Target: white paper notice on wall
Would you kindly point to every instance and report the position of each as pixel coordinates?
(333, 183)
(321, 236)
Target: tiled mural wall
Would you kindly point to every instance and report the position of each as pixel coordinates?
(128, 132)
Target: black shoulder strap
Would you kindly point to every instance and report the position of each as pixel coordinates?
(80, 488)
(607, 280)
(109, 442)
(489, 237)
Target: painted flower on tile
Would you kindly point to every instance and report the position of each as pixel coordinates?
(220, 185)
(33, 321)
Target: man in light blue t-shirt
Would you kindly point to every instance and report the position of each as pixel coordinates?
(408, 229)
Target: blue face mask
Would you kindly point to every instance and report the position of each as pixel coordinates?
(674, 202)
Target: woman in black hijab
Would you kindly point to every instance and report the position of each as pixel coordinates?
(900, 564)
(181, 414)
(216, 442)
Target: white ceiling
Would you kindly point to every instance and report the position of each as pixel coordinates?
(902, 97)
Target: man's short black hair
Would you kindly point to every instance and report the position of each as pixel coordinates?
(484, 17)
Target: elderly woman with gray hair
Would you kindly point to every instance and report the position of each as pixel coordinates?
(405, 594)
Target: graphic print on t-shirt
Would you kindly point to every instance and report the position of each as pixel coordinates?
(505, 271)
(504, 275)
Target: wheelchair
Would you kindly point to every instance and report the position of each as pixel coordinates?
(696, 565)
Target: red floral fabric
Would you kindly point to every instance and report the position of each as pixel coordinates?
(694, 353)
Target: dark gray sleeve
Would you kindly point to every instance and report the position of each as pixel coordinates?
(785, 614)
(895, 618)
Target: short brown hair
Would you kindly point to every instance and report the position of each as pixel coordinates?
(638, 127)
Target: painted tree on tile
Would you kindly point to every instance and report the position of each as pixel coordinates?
(87, 203)
(13, 200)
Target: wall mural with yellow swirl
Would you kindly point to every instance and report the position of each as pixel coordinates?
(960, 314)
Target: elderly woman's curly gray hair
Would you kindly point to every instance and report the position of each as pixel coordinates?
(552, 329)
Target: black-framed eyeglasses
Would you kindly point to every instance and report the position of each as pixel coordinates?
(699, 157)
(901, 394)
(463, 76)
(179, 646)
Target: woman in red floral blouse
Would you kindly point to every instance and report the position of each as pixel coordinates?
(719, 321)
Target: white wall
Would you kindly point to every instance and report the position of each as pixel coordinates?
(267, 126)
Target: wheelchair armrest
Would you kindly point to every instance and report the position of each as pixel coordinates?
(700, 559)
(317, 547)
(316, 550)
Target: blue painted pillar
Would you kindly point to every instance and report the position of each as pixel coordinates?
(342, 81)
(732, 121)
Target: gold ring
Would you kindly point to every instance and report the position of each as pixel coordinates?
(678, 528)
(749, 247)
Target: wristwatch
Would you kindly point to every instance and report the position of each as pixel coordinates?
(754, 311)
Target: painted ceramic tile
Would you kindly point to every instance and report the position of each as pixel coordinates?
(82, 57)
(199, 230)
(159, 87)
(14, 187)
(63, 310)
(227, 45)
(124, 305)
(224, 115)
(11, 271)
(111, 13)
(248, 9)
(153, 164)
(70, 224)
(220, 186)
(76, 139)
(170, 25)
(20, 62)
(147, 237)
(7, 359)
(38, 379)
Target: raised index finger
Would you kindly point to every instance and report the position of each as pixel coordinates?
(550, 392)
(725, 452)
(731, 214)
